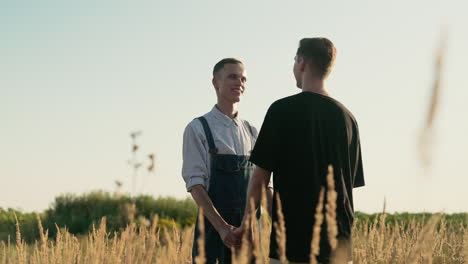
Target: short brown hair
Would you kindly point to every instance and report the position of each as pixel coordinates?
(218, 66)
(320, 53)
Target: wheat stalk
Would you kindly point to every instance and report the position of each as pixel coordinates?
(4, 257)
(332, 227)
(43, 236)
(265, 226)
(425, 138)
(280, 232)
(315, 243)
(422, 248)
(19, 244)
(201, 258)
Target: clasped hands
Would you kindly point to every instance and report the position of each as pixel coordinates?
(232, 236)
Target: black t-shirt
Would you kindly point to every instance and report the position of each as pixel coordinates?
(300, 136)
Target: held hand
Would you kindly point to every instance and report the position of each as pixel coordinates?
(228, 237)
(240, 231)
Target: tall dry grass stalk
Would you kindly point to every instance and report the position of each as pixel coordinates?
(422, 250)
(44, 240)
(442, 243)
(332, 226)
(256, 246)
(244, 255)
(265, 227)
(201, 258)
(280, 232)
(152, 241)
(67, 248)
(4, 255)
(465, 246)
(20, 248)
(339, 248)
(315, 243)
(406, 242)
(426, 137)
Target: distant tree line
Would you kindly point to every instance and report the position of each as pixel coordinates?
(78, 213)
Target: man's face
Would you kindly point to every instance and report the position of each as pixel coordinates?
(297, 70)
(230, 82)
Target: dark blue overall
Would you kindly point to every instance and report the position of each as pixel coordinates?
(229, 179)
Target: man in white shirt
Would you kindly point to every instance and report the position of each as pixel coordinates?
(216, 166)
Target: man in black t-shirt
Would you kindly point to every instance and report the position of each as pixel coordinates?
(300, 136)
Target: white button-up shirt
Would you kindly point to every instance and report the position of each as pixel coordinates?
(230, 135)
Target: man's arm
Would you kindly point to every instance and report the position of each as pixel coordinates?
(194, 171)
(224, 229)
(259, 180)
(269, 195)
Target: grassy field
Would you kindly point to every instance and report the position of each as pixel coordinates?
(129, 234)
(408, 241)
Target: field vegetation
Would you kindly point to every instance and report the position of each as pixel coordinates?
(103, 228)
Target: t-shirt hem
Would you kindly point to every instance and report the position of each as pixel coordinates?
(262, 165)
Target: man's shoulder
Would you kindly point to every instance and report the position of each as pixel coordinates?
(246, 122)
(286, 100)
(195, 124)
(341, 109)
(283, 105)
(249, 126)
(320, 103)
(338, 111)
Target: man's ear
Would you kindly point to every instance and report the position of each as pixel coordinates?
(302, 64)
(215, 83)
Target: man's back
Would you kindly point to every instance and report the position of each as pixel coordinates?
(302, 135)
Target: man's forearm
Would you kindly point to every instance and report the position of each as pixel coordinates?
(202, 199)
(269, 194)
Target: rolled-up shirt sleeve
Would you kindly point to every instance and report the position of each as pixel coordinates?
(194, 155)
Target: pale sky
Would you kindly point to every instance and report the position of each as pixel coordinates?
(76, 77)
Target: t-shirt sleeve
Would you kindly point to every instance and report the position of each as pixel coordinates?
(359, 175)
(255, 136)
(265, 152)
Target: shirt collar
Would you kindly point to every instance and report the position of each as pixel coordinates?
(226, 120)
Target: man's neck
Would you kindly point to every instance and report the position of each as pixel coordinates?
(315, 86)
(228, 109)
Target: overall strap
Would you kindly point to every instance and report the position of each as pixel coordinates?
(209, 135)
